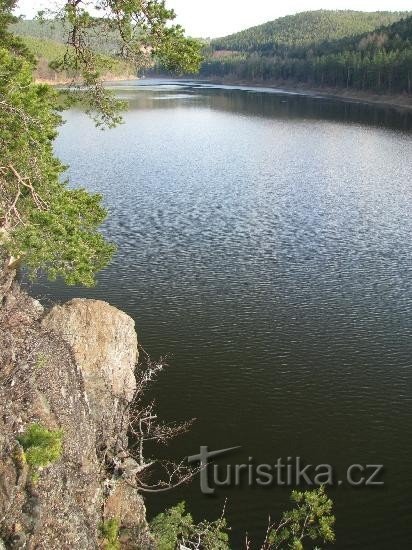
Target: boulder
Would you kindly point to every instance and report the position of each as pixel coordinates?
(104, 344)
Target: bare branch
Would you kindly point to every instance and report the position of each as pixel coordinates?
(12, 215)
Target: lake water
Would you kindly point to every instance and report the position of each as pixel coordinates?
(264, 245)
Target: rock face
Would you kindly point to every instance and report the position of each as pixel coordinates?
(7, 273)
(70, 369)
(104, 345)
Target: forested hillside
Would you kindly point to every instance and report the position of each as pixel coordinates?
(369, 51)
(303, 29)
(105, 42)
(51, 30)
(47, 41)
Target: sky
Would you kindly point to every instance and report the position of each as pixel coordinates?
(213, 18)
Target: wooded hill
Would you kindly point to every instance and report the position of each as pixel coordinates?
(303, 29)
(104, 42)
(344, 49)
(47, 41)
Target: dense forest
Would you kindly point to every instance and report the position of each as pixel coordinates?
(344, 49)
(303, 29)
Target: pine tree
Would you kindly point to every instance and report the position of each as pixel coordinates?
(44, 224)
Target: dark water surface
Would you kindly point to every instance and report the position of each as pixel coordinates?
(265, 246)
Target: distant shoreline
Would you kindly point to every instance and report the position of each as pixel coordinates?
(398, 101)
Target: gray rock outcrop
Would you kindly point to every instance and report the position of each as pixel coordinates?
(71, 369)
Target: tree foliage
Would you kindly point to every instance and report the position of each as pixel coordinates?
(43, 222)
(309, 520)
(139, 30)
(175, 529)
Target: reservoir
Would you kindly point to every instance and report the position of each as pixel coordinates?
(264, 247)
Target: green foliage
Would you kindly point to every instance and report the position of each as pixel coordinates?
(41, 446)
(310, 519)
(109, 531)
(367, 51)
(168, 526)
(166, 43)
(177, 54)
(174, 529)
(139, 33)
(49, 227)
(7, 38)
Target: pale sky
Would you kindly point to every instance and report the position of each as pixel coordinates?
(203, 18)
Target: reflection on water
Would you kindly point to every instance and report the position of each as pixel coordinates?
(265, 245)
(268, 102)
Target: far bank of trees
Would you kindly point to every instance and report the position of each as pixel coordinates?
(380, 71)
(379, 61)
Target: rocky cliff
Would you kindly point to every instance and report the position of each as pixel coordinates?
(68, 369)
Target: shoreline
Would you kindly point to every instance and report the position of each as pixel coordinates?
(399, 101)
(63, 81)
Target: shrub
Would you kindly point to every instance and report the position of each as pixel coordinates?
(109, 530)
(41, 446)
(174, 528)
(310, 519)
